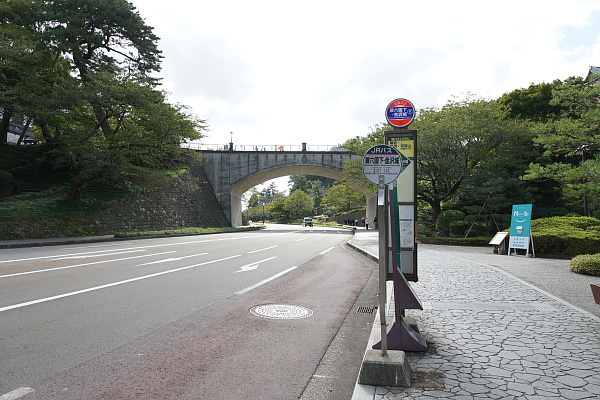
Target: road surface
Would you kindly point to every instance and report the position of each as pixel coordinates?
(227, 316)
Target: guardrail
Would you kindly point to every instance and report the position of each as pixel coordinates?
(271, 147)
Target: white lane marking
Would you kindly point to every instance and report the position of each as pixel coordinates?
(323, 252)
(249, 288)
(144, 247)
(266, 248)
(254, 265)
(82, 265)
(95, 255)
(17, 393)
(69, 255)
(247, 268)
(299, 240)
(172, 259)
(139, 278)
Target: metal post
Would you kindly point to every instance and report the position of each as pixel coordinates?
(382, 219)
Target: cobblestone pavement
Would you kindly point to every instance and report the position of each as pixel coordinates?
(493, 336)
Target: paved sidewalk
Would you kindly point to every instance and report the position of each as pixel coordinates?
(492, 335)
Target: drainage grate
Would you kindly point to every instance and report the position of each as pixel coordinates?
(366, 310)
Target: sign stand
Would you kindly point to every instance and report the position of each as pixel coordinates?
(399, 336)
(520, 229)
(382, 165)
(381, 207)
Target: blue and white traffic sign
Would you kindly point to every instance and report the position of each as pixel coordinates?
(400, 113)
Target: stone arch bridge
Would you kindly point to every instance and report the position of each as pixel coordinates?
(233, 170)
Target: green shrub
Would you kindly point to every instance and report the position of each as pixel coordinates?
(5, 182)
(447, 217)
(424, 230)
(587, 264)
(566, 235)
(459, 228)
(470, 241)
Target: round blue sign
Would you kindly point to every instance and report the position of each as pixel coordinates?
(400, 113)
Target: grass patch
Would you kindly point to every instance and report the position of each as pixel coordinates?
(184, 231)
(98, 196)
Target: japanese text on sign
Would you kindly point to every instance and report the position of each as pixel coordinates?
(400, 112)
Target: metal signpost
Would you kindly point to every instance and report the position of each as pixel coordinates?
(396, 209)
(382, 164)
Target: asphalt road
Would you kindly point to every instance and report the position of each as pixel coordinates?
(171, 318)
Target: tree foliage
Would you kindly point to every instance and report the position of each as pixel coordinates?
(298, 204)
(460, 142)
(342, 197)
(82, 69)
(571, 142)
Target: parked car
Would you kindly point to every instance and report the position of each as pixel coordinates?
(308, 222)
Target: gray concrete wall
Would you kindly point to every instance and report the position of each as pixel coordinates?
(233, 173)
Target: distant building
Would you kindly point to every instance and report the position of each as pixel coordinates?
(16, 126)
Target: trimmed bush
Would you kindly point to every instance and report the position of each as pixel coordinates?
(459, 228)
(470, 241)
(424, 230)
(447, 217)
(587, 264)
(566, 235)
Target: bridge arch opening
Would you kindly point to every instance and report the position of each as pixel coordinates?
(243, 185)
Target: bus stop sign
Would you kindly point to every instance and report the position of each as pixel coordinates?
(383, 160)
(400, 113)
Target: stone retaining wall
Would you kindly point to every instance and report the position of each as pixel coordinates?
(182, 202)
(185, 201)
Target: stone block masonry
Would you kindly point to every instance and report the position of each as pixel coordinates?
(182, 202)
(185, 201)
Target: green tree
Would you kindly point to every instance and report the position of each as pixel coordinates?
(317, 192)
(106, 111)
(298, 182)
(459, 141)
(298, 204)
(279, 209)
(341, 198)
(29, 73)
(270, 193)
(572, 141)
(532, 103)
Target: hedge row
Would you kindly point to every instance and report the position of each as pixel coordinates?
(450, 241)
(566, 235)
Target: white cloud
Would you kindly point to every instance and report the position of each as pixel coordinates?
(321, 72)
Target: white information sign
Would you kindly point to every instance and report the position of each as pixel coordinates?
(383, 160)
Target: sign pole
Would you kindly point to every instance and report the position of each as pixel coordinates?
(382, 226)
(382, 164)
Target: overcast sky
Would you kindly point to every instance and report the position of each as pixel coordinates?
(321, 72)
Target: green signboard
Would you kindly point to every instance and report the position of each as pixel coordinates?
(520, 227)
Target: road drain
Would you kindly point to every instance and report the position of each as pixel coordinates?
(281, 311)
(366, 310)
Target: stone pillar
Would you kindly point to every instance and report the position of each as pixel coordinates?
(371, 208)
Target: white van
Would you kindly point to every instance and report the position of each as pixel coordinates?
(308, 222)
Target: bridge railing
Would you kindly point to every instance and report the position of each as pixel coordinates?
(271, 147)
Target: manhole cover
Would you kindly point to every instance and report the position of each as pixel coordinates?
(281, 311)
